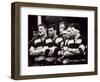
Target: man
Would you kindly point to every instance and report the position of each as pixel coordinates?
(50, 41)
(52, 31)
(62, 26)
(38, 46)
(59, 40)
(75, 46)
(77, 39)
(64, 49)
(30, 58)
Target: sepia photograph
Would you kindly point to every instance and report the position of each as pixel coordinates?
(56, 40)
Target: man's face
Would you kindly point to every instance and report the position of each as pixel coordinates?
(75, 31)
(61, 28)
(51, 32)
(72, 31)
(66, 35)
(41, 30)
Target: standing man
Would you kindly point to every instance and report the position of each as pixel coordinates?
(38, 46)
(52, 31)
(50, 41)
(74, 53)
(62, 26)
(60, 40)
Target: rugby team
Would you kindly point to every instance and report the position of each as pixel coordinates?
(49, 48)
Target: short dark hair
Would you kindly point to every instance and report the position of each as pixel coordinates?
(42, 25)
(65, 23)
(52, 26)
(75, 25)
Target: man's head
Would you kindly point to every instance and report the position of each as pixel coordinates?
(42, 29)
(74, 28)
(52, 30)
(66, 34)
(62, 26)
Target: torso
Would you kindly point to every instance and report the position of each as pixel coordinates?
(72, 43)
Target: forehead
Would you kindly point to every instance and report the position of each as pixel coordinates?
(41, 27)
(62, 24)
(50, 28)
(71, 29)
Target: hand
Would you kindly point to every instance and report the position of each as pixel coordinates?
(66, 61)
(50, 59)
(67, 53)
(39, 58)
(52, 49)
(65, 48)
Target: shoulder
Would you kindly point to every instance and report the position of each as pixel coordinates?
(48, 40)
(37, 40)
(79, 41)
(59, 39)
(82, 40)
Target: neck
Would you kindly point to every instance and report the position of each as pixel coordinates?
(44, 36)
(55, 36)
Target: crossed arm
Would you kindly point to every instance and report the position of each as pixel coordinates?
(36, 52)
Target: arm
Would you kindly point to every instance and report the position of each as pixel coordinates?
(74, 51)
(78, 50)
(35, 52)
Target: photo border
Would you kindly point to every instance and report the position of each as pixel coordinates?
(15, 40)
